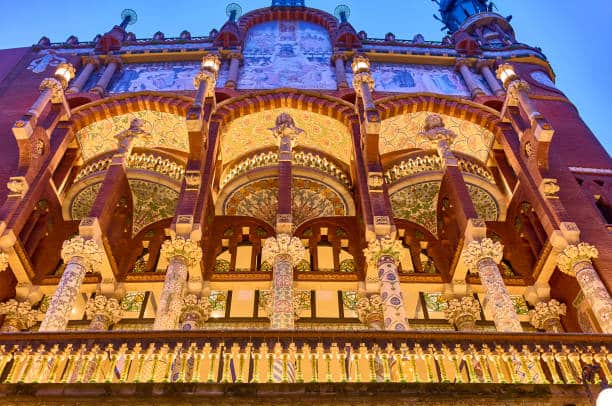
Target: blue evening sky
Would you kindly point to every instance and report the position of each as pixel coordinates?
(575, 35)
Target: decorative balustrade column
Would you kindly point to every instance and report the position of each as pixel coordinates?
(181, 254)
(463, 313)
(112, 64)
(91, 63)
(194, 312)
(383, 255)
(81, 256)
(484, 67)
(463, 67)
(18, 316)
(547, 316)
(575, 261)
(103, 312)
(234, 70)
(283, 251)
(482, 257)
(338, 60)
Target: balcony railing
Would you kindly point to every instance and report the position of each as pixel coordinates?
(296, 357)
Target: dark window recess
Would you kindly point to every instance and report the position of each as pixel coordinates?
(604, 209)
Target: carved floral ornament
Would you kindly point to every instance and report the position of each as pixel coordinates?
(57, 90)
(460, 309)
(196, 305)
(20, 311)
(87, 251)
(435, 130)
(183, 248)
(101, 305)
(574, 254)
(546, 311)
(477, 251)
(363, 77)
(378, 248)
(283, 244)
(370, 311)
(3, 261)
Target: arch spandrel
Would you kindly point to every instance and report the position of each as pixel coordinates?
(252, 132)
(401, 132)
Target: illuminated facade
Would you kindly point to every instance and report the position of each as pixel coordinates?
(288, 210)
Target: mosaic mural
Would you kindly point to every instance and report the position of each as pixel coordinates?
(402, 132)
(132, 301)
(47, 58)
(155, 76)
(166, 130)
(218, 303)
(435, 302)
(310, 200)
(520, 305)
(287, 54)
(152, 202)
(418, 203)
(253, 132)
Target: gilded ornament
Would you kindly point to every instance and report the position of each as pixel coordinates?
(575, 254)
(477, 251)
(546, 315)
(57, 90)
(184, 248)
(3, 261)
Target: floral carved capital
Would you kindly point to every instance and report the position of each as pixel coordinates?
(20, 313)
(378, 248)
(184, 248)
(370, 311)
(101, 305)
(486, 248)
(57, 90)
(516, 87)
(575, 254)
(544, 312)
(204, 75)
(283, 244)
(461, 310)
(196, 305)
(3, 261)
(87, 250)
(363, 77)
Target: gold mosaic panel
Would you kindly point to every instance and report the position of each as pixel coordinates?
(253, 132)
(402, 132)
(167, 131)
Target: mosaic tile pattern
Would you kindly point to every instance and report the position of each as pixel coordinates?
(166, 130)
(218, 302)
(402, 132)
(392, 77)
(132, 301)
(520, 305)
(168, 76)
(435, 302)
(251, 132)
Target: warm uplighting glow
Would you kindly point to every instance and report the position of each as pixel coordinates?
(604, 398)
(211, 62)
(360, 64)
(64, 73)
(506, 74)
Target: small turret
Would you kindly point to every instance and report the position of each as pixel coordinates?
(455, 12)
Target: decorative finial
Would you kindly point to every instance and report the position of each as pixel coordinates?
(128, 17)
(233, 11)
(342, 13)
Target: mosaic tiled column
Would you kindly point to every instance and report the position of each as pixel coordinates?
(181, 254)
(463, 313)
(575, 261)
(283, 251)
(81, 256)
(112, 64)
(463, 67)
(482, 257)
(370, 312)
(103, 312)
(91, 63)
(547, 316)
(18, 316)
(383, 255)
(194, 312)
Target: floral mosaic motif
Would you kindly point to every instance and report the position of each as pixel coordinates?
(222, 266)
(46, 58)
(418, 203)
(43, 305)
(218, 300)
(303, 266)
(252, 131)
(310, 200)
(287, 54)
(350, 299)
(137, 77)
(167, 131)
(402, 132)
(82, 202)
(435, 302)
(520, 305)
(132, 301)
(348, 265)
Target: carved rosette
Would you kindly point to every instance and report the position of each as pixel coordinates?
(103, 312)
(183, 249)
(57, 90)
(547, 316)
(463, 313)
(576, 257)
(370, 312)
(19, 316)
(195, 311)
(3, 261)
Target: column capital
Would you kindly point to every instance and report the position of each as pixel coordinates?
(113, 59)
(481, 63)
(370, 311)
(89, 253)
(91, 59)
(196, 305)
(56, 87)
(208, 77)
(187, 249)
(545, 313)
(459, 62)
(463, 312)
(283, 244)
(363, 77)
(339, 55)
(380, 247)
(101, 305)
(19, 315)
(477, 251)
(517, 86)
(3, 261)
(573, 255)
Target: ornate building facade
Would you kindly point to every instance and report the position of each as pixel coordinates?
(288, 210)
